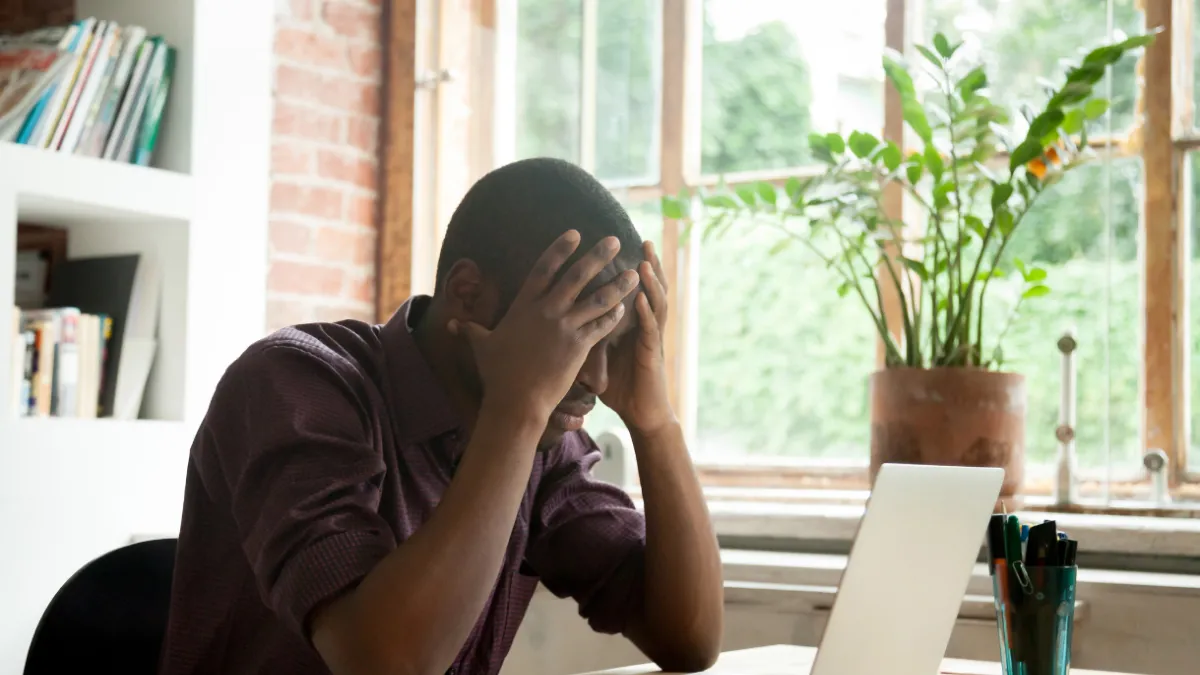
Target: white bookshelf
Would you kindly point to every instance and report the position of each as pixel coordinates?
(71, 490)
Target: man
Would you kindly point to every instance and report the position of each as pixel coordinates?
(385, 499)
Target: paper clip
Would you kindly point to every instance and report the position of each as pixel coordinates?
(1023, 577)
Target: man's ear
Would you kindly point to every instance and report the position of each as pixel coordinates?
(469, 296)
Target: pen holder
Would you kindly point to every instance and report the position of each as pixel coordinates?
(1035, 616)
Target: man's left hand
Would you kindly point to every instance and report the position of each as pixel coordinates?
(637, 387)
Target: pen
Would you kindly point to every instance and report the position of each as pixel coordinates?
(995, 542)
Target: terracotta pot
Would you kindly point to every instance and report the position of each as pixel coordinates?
(950, 416)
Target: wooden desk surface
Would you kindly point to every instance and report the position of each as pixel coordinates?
(793, 660)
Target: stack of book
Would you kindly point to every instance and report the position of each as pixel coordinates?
(58, 362)
(92, 88)
(84, 329)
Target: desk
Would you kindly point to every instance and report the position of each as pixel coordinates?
(793, 660)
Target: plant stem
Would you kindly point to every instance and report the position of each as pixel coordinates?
(995, 262)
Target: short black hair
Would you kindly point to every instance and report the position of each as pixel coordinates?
(513, 214)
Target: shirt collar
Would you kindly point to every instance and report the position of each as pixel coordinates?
(421, 403)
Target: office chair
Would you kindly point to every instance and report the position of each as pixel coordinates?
(110, 616)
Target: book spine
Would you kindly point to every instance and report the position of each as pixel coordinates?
(98, 78)
(38, 114)
(79, 88)
(129, 100)
(152, 121)
(131, 42)
(149, 83)
(48, 125)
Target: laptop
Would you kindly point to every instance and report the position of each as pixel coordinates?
(908, 570)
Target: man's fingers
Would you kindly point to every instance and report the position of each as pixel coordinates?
(542, 275)
(596, 329)
(604, 299)
(656, 264)
(655, 292)
(646, 317)
(567, 290)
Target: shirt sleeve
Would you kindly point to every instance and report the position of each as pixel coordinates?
(587, 541)
(289, 452)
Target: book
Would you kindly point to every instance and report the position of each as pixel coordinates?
(47, 123)
(29, 64)
(98, 73)
(97, 134)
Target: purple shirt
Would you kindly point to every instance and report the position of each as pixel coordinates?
(327, 445)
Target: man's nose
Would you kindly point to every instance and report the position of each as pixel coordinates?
(594, 373)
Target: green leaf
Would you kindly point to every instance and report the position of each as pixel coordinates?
(672, 209)
(1036, 291)
(779, 246)
(1135, 42)
(897, 73)
(1073, 122)
(862, 144)
(914, 173)
(1020, 265)
(943, 47)
(941, 194)
(1001, 192)
(1029, 150)
(721, 201)
(890, 154)
(989, 274)
(844, 288)
(1035, 274)
(766, 192)
(1103, 56)
(1095, 108)
(1004, 222)
(914, 115)
(837, 145)
(747, 194)
(794, 189)
(1045, 124)
(917, 267)
(819, 145)
(933, 161)
(929, 56)
(975, 225)
(972, 82)
(1072, 92)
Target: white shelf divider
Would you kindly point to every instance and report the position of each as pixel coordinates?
(71, 490)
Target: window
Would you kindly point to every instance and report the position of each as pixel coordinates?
(770, 366)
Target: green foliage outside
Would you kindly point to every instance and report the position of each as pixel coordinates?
(783, 360)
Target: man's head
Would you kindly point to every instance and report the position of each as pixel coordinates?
(504, 223)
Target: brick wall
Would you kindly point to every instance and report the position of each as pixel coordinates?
(324, 161)
(323, 156)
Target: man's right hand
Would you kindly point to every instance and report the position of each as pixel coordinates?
(535, 352)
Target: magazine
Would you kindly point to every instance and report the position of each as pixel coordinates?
(29, 65)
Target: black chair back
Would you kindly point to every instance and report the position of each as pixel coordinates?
(110, 616)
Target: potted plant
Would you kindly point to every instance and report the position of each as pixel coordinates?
(973, 173)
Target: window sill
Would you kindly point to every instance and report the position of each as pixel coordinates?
(838, 522)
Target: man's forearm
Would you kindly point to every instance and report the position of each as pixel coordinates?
(684, 597)
(414, 611)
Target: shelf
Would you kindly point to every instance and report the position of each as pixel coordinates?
(32, 435)
(62, 189)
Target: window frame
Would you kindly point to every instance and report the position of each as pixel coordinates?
(1163, 138)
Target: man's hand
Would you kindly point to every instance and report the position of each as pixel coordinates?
(535, 352)
(637, 380)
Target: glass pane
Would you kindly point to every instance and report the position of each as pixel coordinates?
(628, 84)
(549, 47)
(1091, 263)
(1023, 42)
(550, 89)
(775, 71)
(647, 216)
(784, 361)
(1193, 267)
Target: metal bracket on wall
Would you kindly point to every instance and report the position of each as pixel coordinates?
(431, 79)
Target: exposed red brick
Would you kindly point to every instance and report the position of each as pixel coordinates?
(361, 289)
(360, 210)
(356, 247)
(352, 20)
(347, 168)
(291, 158)
(303, 84)
(366, 61)
(363, 133)
(303, 122)
(309, 279)
(290, 237)
(311, 48)
(281, 313)
(309, 200)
